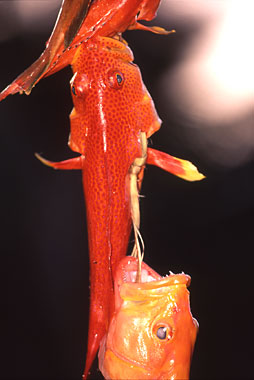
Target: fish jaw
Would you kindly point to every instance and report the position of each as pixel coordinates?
(131, 348)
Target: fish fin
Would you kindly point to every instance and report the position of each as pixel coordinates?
(27, 80)
(153, 29)
(181, 168)
(72, 163)
(69, 20)
(91, 353)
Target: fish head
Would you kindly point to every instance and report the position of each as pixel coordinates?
(152, 333)
(109, 95)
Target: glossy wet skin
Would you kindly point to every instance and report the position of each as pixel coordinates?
(152, 333)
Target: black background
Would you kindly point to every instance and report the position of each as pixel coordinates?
(203, 228)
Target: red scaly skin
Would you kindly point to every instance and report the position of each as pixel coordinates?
(111, 107)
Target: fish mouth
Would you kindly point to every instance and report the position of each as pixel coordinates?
(154, 296)
(149, 279)
(151, 284)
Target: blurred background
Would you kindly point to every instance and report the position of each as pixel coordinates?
(201, 80)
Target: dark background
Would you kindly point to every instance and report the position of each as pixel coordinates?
(203, 228)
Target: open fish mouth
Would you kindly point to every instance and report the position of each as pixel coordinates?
(149, 279)
(141, 309)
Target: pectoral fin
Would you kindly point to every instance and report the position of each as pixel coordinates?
(181, 168)
(73, 163)
(153, 29)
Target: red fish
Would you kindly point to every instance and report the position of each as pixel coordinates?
(113, 114)
(152, 332)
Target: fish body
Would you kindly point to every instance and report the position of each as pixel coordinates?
(111, 108)
(152, 332)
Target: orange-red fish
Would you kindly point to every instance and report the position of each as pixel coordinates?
(152, 332)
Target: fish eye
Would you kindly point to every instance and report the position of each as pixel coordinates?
(119, 78)
(161, 333)
(164, 332)
(115, 79)
(79, 85)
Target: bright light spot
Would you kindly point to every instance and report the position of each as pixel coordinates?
(231, 61)
(213, 85)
